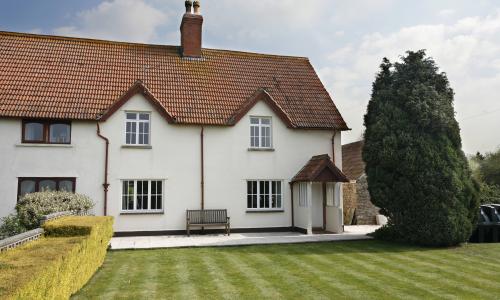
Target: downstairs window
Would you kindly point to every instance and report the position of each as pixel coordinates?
(28, 185)
(142, 196)
(264, 195)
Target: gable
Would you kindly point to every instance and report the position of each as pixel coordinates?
(137, 89)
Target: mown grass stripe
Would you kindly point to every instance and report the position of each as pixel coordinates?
(336, 282)
(251, 275)
(455, 267)
(185, 289)
(218, 277)
(439, 272)
(366, 278)
(406, 276)
(295, 283)
(114, 283)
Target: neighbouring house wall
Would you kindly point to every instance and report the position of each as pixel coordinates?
(83, 159)
(350, 201)
(366, 212)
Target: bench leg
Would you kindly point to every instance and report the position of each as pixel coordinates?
(187, 229)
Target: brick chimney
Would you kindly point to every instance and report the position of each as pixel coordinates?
(191, 29)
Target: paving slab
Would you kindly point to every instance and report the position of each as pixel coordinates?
(350, 233)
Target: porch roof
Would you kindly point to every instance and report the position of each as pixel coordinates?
(320, 168)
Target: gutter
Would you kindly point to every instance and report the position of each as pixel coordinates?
(105, 185)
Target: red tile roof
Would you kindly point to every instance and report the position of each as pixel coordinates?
(74, 78)
(352, 160)
(320, 168)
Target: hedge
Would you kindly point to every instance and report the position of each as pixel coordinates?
(60, 263)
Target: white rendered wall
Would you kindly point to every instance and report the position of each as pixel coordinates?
(175, 158)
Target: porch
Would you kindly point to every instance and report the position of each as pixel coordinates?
(317, 197)
(238, 239)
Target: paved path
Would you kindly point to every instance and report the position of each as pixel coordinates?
(237, 239)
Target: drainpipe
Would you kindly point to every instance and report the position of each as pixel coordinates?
(105, 185)
(333, 147)
(291, 200)
(202, 171)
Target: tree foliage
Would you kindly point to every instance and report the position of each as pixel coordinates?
(417, 172)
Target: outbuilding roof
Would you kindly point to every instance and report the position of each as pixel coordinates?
(352, 160)
(74, 78)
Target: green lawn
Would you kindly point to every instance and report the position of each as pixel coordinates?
(360, 270)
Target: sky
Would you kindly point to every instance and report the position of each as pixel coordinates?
(345, 41)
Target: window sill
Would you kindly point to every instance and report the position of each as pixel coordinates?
(142, 213)
(45, 145)
(137, 147)
(265, 211)
(261, 149)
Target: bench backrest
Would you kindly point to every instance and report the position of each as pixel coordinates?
(207, 216)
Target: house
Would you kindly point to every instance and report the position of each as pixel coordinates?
(358, 207)
(150, 131)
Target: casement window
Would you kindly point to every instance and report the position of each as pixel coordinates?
(330, 194)
(46, 132)
(137, 128)
(260, 132)
(28, 185)
(303, 199)
(264, 195)
(142, 195)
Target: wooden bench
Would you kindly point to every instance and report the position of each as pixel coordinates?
(207, 217)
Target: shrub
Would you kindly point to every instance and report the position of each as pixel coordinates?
(10, 225)
(32, 207)
(58, 265)
(417, 172)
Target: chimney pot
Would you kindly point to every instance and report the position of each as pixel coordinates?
(188, 4)
(196, 6)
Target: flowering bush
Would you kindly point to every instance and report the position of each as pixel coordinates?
(32, 207)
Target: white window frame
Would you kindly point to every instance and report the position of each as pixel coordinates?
(142, 211)
(270, 208)
(137, 121)
(260, 127)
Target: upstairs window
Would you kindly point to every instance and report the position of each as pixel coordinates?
(137, 128)
(260, 132)
(46, 132)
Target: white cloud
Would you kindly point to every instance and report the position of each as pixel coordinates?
(125, 20)
(466, 50)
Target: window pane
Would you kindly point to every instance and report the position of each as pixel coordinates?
(142, 194)
(133, 134)
(265, 121)
(254, 120)
(33, 132)
(131, 116)
(47, 185)
(60, 133)
(144, 117)
(66, 185)
(27, 186)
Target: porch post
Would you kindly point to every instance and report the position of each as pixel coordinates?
(309, 207)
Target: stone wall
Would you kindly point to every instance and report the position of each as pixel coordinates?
(365, 211)
(350, 201)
